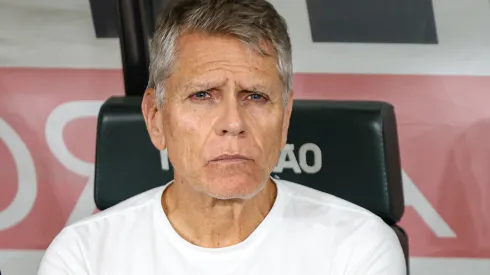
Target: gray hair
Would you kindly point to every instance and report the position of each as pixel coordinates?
(254, 22)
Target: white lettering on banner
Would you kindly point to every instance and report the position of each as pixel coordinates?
(57, 120)
(26, 194)
(287, 159)
(415, 198)
(317, 158)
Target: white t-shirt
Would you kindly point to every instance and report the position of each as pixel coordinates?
(307, 232)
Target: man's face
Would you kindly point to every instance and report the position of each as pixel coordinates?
(224, 120)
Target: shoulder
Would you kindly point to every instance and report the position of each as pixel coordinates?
(318, 206)
(365, 243)
(328, 211)
(63, 256)
(69, 248)
(134, 207)
(373, 250)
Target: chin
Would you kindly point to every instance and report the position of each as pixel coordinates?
(234, 187)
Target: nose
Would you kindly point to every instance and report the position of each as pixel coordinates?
(231, 119)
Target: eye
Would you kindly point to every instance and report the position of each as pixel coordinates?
(256, 96)
(201, 95)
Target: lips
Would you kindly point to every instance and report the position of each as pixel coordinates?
(230, 158)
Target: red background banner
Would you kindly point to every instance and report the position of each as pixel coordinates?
(444, 126)
(56, 73)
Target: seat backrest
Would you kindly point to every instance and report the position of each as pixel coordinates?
(345, 148)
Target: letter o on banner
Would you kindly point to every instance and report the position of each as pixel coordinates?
(57, 120)
(317, 158)
(26, 194)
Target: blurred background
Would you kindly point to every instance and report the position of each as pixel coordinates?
(60, 59)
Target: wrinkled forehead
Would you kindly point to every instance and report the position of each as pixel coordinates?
(199, 54)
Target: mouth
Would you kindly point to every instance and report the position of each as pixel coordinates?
(230, 158)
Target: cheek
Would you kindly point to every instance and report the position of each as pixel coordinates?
(267, 131)
(267, 122)
(184, 137)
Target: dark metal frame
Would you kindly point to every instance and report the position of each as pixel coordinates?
(133, 36)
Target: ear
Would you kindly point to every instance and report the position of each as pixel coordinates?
(287, 117)
(153, 119)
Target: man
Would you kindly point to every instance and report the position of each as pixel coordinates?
(219, 100)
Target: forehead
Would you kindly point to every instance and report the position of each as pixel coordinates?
(203, 54)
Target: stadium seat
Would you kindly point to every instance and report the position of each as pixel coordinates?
(345, 148)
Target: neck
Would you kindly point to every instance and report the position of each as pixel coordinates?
(210, 222)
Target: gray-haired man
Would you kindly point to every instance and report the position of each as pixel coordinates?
(219, 100)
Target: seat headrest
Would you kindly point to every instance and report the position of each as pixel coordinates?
(345, 148)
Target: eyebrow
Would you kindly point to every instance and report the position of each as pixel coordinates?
(201, 84)
(255, 87)
(197, 84)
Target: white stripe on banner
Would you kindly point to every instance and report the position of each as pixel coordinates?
(26, 262)
(463, 49)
